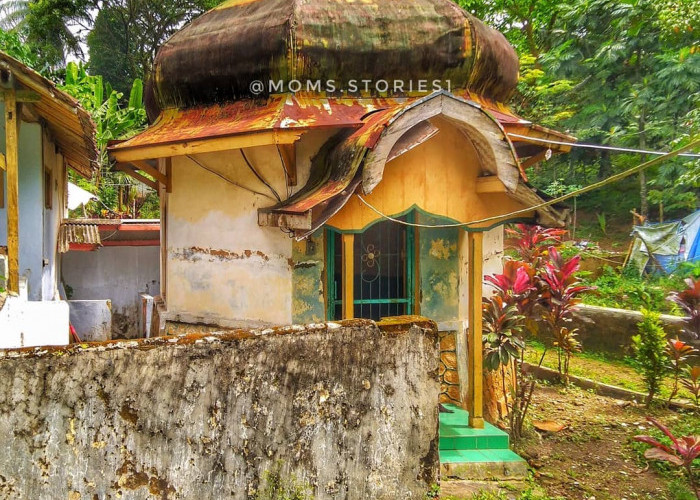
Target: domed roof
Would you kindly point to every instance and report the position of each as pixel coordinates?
(217, 56)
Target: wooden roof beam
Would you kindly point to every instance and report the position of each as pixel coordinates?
(210, 145)
(128, 170)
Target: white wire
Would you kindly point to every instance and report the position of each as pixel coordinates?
(503, 218)
(412, 224)
(599, 146)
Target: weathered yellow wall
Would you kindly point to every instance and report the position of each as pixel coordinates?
(222, 268)
(439, 176)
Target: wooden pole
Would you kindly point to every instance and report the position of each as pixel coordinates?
(475, 400)
(12, 159)
(348, 241)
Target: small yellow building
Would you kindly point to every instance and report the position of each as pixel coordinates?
(287, 201)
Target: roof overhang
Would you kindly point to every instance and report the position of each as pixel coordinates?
(356, 159)
(69, 124)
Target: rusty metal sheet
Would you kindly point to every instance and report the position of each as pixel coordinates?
(284, 112)
(331, 40)
(77, 232)
(336, 164)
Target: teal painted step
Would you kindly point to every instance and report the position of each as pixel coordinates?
(475, 454)
(455, 433)
(478, 456)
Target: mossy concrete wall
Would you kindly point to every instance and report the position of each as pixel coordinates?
(611, 330)
(348, 409)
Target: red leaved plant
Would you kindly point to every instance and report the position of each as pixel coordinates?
(680, 453)
(531, 242)
(678, 353)
(689, 301)
(560, 297)
(691, 381)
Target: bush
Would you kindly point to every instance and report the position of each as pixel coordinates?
(650, 352)
(627, 290)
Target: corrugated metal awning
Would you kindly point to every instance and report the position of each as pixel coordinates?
(77, 232)
(91, 234)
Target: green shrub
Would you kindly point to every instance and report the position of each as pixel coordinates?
(628, 290)
(650, 352)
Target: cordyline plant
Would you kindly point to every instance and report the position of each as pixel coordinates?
(527, 291)
(560, 298)
(504, 346)
(678, 353)
(681, 453)
(531, 242)
(689, 302)
(502, 330)
(691, 381)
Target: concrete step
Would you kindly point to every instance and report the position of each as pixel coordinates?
(491, 464)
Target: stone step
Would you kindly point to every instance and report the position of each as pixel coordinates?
(491, 464)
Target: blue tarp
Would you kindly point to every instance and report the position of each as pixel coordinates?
(664, 246)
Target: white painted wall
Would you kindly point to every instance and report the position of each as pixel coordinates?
(38, 227)
(26, 323)
(119, 274)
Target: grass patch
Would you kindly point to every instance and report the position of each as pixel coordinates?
(596, 366)
(628, 290)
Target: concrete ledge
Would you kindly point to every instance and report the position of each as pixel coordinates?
(611, 391)
(92, 319)
(28, 323)
(399, 324)
(610, 330)
(494, 471)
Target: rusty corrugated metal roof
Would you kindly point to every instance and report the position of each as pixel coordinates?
(69, 123)
(289, 112)
(99, 232)
(78, 232)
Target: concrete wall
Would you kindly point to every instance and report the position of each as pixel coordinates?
(610, 330)
(92, 319)
(222, 267)
(349, 411)
(118, 274)
(38, 227)
(55, 167)
(33, 323)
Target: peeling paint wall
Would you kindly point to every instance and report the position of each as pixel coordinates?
(308, 305)
(222, 267)
(438, 269)
(347, 409)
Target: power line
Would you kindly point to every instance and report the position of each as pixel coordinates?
(600, 146)
(503, 218)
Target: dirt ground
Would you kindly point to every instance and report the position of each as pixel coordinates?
(592, 458)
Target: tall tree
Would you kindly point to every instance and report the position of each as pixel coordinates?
(128, 33)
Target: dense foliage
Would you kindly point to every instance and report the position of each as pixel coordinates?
(119, 195)
(617, 72)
